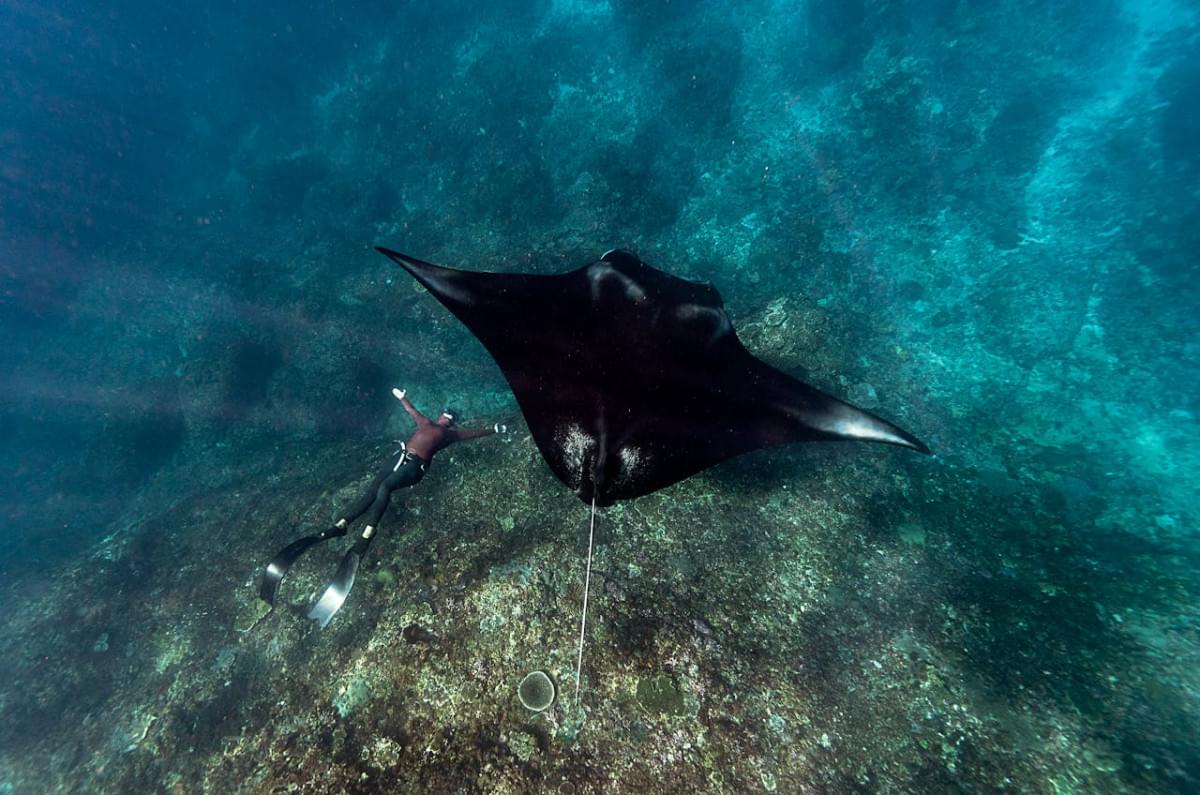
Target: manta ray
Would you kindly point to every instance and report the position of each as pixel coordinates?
(632, 379)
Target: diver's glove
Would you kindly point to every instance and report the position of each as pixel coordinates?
(399, 393)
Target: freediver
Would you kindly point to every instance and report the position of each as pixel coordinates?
(412, 460)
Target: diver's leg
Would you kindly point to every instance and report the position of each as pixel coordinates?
(364, 502)
(403, 477)
(335, 595)
(383, 496)
(283, 560)
(343, 579)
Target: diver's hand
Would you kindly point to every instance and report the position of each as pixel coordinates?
(498, 428)
(399, 393)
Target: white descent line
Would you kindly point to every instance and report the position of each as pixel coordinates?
(587, 581)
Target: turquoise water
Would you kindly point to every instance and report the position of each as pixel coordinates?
(977, 220)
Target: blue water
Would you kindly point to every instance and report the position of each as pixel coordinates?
(978, 220)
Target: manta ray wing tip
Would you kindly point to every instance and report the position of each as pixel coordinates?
(419, 268)
(390, 253)
(844, 421)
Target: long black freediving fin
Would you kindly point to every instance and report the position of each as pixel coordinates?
(335, 595)
(283, 560)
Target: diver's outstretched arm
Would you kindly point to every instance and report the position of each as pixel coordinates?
(462, 436)
(402, 396)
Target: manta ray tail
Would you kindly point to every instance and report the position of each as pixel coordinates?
(587, 581)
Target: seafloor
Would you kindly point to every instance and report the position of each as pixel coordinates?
(980, 221)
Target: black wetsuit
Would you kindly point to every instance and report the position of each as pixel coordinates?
(407, 470)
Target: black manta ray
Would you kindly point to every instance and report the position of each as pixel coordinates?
(632, 379)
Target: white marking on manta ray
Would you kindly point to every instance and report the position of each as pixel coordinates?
(576, 445)
(632, 461)
(602, 271)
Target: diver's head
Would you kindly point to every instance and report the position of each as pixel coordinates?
(447, 417)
